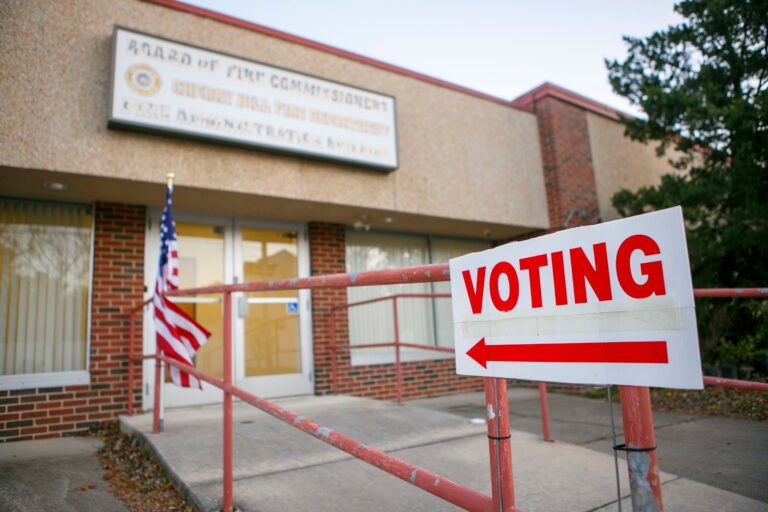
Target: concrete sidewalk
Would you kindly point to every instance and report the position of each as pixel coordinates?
(729, 454)
(277, 467)
(61, 475)
(709, 463)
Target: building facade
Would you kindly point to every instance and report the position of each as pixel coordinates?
(296, 159)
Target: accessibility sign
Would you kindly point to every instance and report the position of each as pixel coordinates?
(605, 304)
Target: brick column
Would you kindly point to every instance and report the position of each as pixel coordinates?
(327, 256)
(118, 286)
(567, 159)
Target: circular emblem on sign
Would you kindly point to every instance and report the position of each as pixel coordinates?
(143, 79)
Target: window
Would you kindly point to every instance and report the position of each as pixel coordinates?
(45, 270)
(424, 321)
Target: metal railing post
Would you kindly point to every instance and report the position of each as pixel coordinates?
(398, 366)
(499, 444)
(132, 358)
(158, 386)
(131, 348)
(334, 354)
(227, 497)
(544, 411)
(640, 445)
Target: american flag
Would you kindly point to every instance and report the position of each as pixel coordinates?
(178, 335)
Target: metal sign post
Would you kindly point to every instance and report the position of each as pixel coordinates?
(640, 445)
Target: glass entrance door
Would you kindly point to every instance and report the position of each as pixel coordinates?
(271, 354)
(270, 324)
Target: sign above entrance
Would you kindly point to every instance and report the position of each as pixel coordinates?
(164, 86)
(604, 304)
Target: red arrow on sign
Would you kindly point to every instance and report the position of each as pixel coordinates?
(582, 352)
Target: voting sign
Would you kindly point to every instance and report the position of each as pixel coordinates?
(610, 303)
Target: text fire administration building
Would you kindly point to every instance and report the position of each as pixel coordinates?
(291, 158)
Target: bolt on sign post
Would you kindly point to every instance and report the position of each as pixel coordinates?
(605, 304)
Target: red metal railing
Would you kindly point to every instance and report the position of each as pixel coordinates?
(132, 351)
(636, 403)
(733, 293)
(397, 344)
(635, 400)
(448, 490)
(543, 400)
(502, 496)
(335, 347)
(708, 380)
(636, 409)
(733, 383)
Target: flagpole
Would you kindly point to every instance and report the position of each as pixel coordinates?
(177, 333)
(169, 180)
(161, 424)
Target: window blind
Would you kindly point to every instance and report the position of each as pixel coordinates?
(45, 266)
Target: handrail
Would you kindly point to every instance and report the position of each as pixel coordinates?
(436, 272)
(708, 380)
(730, 292)
(393, 296)
(735, 383)
(132, 351)
(397, 344)
(542, 386)
(637, 420)
(443, 488)
(502, 498)
(734, 293)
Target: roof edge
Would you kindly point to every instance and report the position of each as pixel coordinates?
(528, 101)
(263, 29)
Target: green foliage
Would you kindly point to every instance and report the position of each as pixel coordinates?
(703, 85)
(744, 351)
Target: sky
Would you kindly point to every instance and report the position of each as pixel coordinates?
(499, 47)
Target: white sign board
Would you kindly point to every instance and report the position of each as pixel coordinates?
(165, 86)
(605, 304)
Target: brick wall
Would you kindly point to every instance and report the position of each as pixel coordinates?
(327, 256)
(420, 378)
(118, 281)
(567, 159)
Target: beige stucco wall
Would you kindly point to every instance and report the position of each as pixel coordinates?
(620, 162)
(461, 157)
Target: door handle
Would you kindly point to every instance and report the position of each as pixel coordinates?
(242, 307)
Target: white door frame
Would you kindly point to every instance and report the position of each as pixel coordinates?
(267, 387)
(277, 385)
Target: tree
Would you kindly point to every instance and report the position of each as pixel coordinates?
(703, 85)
